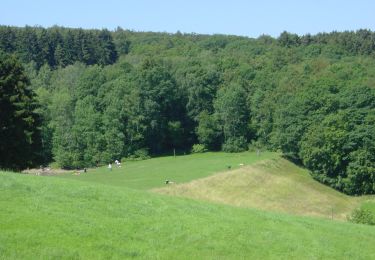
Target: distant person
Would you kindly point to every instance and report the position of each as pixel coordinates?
(118, 164)
(110, 166)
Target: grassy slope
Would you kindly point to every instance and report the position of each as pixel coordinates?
(153, 173)
(59, 218)
(274, 185)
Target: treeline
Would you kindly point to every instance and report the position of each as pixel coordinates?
(311, 97)
(359, 42)
(58, 46)
(328, 125)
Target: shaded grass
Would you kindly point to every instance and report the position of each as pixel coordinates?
(273, 185)
(47, 218)
(153, 172)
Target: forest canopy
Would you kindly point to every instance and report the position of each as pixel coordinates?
(104, 95)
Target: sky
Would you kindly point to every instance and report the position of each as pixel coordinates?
(235, 17)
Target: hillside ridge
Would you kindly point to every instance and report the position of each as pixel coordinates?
(272, 185)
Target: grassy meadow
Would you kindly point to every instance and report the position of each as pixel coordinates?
(152, 173)
(112, 214)
(49, 218)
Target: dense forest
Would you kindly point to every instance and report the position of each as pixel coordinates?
(99, 95)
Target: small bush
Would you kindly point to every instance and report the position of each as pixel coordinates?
(255, 146)
(362, 216)
(138, 155)
(199, 148)
(235, 145)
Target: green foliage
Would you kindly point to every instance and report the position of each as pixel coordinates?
(175, 133)
(362, 216)
(87, 134)
(288, 40)
(209, 131)
(322, 147)
(361, 172)
(198, 148)
(59, 46)
(201, 85)
(140, 154)
(338, 151)
(20, 137)
(62, 121)
(235, 145)
(233, 116)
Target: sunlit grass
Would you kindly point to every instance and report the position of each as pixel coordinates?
(153, 172)
(274, 185)
(55, 218)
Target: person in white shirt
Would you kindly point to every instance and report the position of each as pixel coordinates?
(118, 163)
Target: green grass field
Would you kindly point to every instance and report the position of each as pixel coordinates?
(112, 214)
(54, 218)
(153, 173)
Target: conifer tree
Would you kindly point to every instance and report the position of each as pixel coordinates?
(20, 140)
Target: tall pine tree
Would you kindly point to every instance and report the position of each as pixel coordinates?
(20, 141)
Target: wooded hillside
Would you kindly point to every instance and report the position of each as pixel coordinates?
(106, 95)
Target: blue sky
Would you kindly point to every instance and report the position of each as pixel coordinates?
(238, 17)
